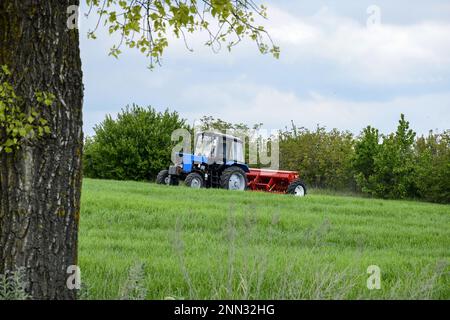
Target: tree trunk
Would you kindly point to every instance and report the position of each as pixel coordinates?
(40, 183)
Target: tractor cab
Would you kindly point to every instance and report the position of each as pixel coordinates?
(219, 148)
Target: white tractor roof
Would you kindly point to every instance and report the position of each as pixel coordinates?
(219, 134)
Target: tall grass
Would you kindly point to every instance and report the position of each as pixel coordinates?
(215, 244)
(12, 285)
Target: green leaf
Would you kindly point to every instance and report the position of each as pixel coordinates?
(22, 132)
(6, 70)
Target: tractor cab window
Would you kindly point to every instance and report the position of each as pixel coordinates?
(235, 151)
(239, 152)
(206, 146)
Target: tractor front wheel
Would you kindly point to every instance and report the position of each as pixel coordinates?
(163, 177)
(234, 178)
(194, 180)
(297, 188)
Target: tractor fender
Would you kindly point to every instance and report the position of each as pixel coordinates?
(243, 166)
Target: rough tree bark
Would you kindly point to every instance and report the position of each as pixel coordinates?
(40, 184)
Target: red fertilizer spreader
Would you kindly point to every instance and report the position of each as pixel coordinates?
(278, 181)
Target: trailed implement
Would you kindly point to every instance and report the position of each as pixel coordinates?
(278, 181)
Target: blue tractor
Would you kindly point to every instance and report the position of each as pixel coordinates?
(217, 162)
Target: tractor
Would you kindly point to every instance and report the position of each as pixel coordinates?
(218, 162)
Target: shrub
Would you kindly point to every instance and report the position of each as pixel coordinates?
(135, 146)
(363, 161)
(433, 167)
(322, 158)
(387, 170)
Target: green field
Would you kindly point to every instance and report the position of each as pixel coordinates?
(216, 244)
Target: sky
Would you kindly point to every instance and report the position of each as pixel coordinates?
(343, 64)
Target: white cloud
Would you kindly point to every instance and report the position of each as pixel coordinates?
(383, 54)
(387, 54)
(276, 108)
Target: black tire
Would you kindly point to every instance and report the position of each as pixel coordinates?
(292, 188)
(174, 181)
(228, 173)
(162, 176)
(194, 180)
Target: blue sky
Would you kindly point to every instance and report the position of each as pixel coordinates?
(333, 70)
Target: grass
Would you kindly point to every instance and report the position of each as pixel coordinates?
(217, 244)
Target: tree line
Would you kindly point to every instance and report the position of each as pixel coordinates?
(398, 165)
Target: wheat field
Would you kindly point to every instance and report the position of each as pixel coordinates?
(144, 241)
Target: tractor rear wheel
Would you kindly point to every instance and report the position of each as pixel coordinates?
(194, 180)
(163, 177)
(234, 178)
(297, 188)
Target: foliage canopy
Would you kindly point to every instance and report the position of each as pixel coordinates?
(146, 25)
(15, 124)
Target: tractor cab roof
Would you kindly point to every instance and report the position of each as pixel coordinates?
(219, 134)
